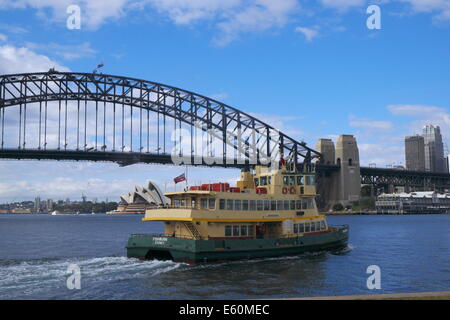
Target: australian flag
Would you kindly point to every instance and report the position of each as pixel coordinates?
(180, 178)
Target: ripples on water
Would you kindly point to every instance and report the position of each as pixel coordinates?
(35, 252)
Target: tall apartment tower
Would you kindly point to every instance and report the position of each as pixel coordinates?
(415, 153)
(434, 149)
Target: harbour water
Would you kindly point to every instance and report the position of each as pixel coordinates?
(412, 251)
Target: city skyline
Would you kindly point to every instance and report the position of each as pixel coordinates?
(310, 75)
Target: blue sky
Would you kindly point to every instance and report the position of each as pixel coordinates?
(310, 68)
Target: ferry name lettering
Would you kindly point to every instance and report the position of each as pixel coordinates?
(159, 240)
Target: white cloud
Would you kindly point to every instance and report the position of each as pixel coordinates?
(20, 59)
(3, 37)
(369, 123)
(342, 4)
(309, 33)
(68, 52)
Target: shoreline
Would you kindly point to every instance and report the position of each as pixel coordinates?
(430, 295)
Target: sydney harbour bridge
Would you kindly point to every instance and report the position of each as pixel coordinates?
(97, 117)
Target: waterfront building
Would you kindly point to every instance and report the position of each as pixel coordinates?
(414, 202)
(434, 149)
(37, 204)
(142, 198)
(415, 153)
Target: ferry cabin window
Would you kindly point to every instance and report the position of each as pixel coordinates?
(212, 203)
(273, 205)
(285, 180)
(298, 204)
(307, 227)
(286, 204)
(222, 204)
(310, 203)
(280, 205)
(252, 204)
(227, 231)
(317, 225)
(292, 204)
(292, 180)
(243, 230)
(295, 227)
(300, 180)
(176, 203)
(256, 182)
(237, 205)
(302, 228)
(308, 180)
(182, 203)
(229, 204)
(244, 204)
(266, 204)
(204, 203)
(322, 225)
(269, 180)
(250, 230)
(264, 181)
(304, 204)
(260, 205)
(235, 231)
(313, 226)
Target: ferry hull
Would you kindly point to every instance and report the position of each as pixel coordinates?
(195, 251)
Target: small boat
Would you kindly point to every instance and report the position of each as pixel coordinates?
(56, 212)
(269, 213)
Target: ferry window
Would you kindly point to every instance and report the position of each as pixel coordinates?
(313, 180)
(260, 204)
(304, 204)
(292, 204)
(229, 204)
(243, 230)
(235, 231)
(244, 204)
(286, 180)
(182, 203)
(280, 205)
(250, 230)
(273, 205)
(212, 203)
(302, 190)
(310, 203)
(266, 204)
(302, 228)
(269, 180)
(322, 225)
(313, 226)
(237, 205)
(176, 203)
(307, 227)
(227, 231)
(295, 227)
(298, 204)
(317, 225)
(252, 204)
(300, 180)
(256, 182)
(286, 204)
(308, 180)
(204, 203)
(222, 204)
(264, 181)
(193, 203)
(292, 180)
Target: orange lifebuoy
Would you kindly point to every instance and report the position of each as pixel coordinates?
(285, 190)
(292, 190)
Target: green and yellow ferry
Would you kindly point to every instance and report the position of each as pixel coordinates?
(269, 213)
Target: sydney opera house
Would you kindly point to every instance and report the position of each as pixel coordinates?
(142, 198)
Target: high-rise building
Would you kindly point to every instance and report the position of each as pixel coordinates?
(434, 149)
(37, 204)
(415, 153)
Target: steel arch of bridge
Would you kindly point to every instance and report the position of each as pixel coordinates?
(252, 138)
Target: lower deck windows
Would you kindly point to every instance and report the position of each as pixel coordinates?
(235, 231)
(239, 230)
(227, 231)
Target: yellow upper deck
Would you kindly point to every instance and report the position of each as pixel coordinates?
(261, 195)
